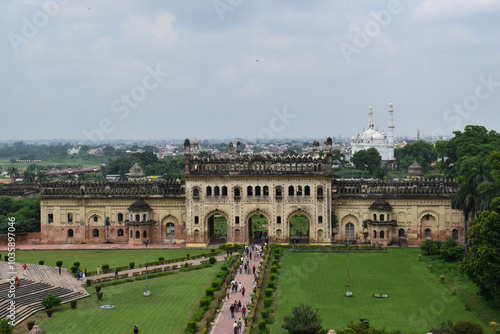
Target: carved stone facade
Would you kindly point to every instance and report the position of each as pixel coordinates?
(238, 187)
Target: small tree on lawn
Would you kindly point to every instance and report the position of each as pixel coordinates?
(303, 320)
(50, 301)
(5, 326)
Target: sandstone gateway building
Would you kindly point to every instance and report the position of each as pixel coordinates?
(238, 187)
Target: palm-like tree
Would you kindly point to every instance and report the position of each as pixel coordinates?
(40, 176)
(468, 198)
(13, 173)
(28, 176)
(122, 176)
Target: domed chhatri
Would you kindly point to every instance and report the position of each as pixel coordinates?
(139, 205)
(381, 204)
(135, 172)
(415, 171)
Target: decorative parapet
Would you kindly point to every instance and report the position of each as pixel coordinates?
(129, 189)
(372, 188)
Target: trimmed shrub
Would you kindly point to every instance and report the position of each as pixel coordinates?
(204, 302)
(99, 295)
(212, 260)
(212, 250)
(188, 256)
(49, 313)
(30, 324)
(88, 282)
(105, 266)
(59, 263)
(265, 314)
(41, 262)
(268, 302)
(192, 327)
(209, 292)
(272, 277)
(73, 304)
(268, 292)
(74, 269)
(466, 327)
(431, 268)
(262, 325)
(215, 285)
(275, 262)
(272, 285)
(131, 265)
(442, 278)
(97, 288)
(274, 269)
(76, 264)
(161, 258)
(420, 257)
(50, 301)
(223, 268)
(220, 275)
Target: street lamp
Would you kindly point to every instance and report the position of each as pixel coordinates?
(348, 293)
(147, 293)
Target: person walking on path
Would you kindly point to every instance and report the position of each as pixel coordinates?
(239, 325)
(85, 271)
(116, 271)
(253, 268)
(235, 327)
(243, 311)
(243, 291)
(98, 270)
(24, 269)
(239, 286)
(136, 329)
(231, 309)
(227, 293)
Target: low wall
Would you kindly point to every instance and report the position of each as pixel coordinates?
(22, 238)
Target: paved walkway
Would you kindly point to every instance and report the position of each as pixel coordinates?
(98, 246)
(223, 321)
(131, 271)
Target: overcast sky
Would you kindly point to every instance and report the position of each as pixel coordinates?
(89, 69)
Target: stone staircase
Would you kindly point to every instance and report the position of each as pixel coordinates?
(42, 281)
(403, 242)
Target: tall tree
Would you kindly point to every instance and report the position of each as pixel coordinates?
(421, 151)
(482, 262)
(28, 176)
(13, 173)
(367, 159)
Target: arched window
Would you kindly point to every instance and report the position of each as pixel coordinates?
(96, 233)
(145, 217)
(307, 191)
(137, 217)
(209, 191)
(249, 191)
(257, 191)
(388, 217)
(237, 220)
(320, 191)
(279, 192)
(170, 230)
(320, 219)
(299, 190)
(70, 233)
(427, 217)
(454, 234)
(278, 220)
(120, 232)
(266, 191)
(349, 230)
(428, 233)
(374, 234)
(290, 191)
(120, 217)
(144, 234)
(196, 220)
(131, 217)
(196, 192)
(216, 191)
(382, 235)
(237, 192)
(375, 217)
(131, 235)
(96, 219)
(137, 234)
(224, 191)
(70, 217)
(401, 232)
(382, 217)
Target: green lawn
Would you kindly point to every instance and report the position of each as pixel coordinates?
(167, 310)
(90, 259)
(417, 300)
(299, 225)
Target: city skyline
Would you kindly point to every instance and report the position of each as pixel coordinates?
(94, 70)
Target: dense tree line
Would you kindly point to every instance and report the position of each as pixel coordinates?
(25, 210)
(172, 168)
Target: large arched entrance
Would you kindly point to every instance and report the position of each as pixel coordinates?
(258, 226)
(299, 229)
(217, 229)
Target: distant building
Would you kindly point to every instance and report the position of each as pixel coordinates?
(372, 138)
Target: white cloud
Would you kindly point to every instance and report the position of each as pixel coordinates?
(452, 9)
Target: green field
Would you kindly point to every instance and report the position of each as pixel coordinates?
(416, 299)
(167, 310)
(90, 259)
(299, 225)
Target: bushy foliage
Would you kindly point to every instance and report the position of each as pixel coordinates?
(105, 266)
(268, 302)
(271, 285)
(204, 302)
(50, 301)
(429, 247)
(59, 263)
(451, 251)
(466, 327)
(131, 265)
(303, 320)
(212, 260)
(192, 327)
(5, 327)
(268, 292)
(209, 292)
(76, 264)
